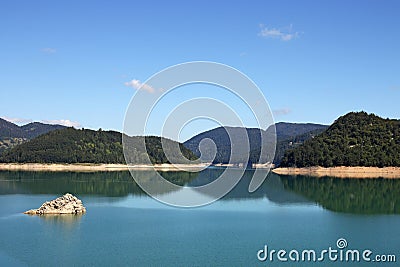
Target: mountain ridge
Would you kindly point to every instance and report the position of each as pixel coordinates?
(12, 134)
(28, 131)
(284, 132)
(354, 139)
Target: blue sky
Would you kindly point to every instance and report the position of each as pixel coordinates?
(313, 60)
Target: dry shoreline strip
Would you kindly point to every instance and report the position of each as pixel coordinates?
(87, 167)
(343, 172)
(339, 172)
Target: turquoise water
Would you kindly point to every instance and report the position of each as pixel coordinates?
(125, 227)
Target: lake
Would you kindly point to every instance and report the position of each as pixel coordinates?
(125, 227)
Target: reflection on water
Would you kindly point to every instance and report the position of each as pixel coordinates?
(66, 221)
(121, 184)
(112, 184)
(358, 196)
(136, 230)
(57, 183)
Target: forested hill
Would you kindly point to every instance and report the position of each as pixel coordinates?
(355, 139)
(70, 145)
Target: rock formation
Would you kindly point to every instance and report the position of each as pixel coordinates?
(67, 204)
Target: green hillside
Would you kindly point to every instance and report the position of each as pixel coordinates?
(355, 139)
(70, 145)
(285, 143)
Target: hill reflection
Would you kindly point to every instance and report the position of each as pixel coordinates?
(358, 196)
(121, 184)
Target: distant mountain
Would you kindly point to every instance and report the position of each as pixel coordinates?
(12, 134)
(288, 135)
(70, 145)
(9, 130)
(35, 129)
(286, 130)
(220, 136)
(28, 131)
(355, 139)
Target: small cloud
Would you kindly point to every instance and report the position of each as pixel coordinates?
(284, 34)
(243, 54)
(394, 88)
(281, 112)
(17, 120)
(67, 123)
(140, 86)
(48, 50)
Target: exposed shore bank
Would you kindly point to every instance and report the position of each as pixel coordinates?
(87, 167)
(343, 172)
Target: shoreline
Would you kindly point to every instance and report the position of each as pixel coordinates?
(343, 172)
(91, 167)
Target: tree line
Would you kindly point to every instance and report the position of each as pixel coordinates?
(70, 145)
(355, 139)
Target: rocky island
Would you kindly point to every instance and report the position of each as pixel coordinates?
(67, 204)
